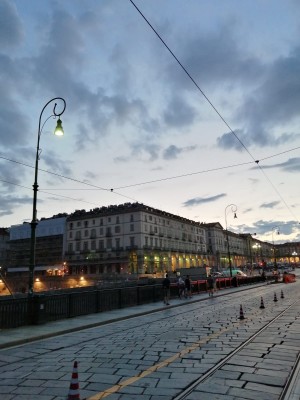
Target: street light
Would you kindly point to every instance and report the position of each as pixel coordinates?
(233, 208)
(257, 246)
(294, 254)
(58, 132)
(274, 229)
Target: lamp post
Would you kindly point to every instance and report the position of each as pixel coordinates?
(294, 254)
(256, 246)
(233, 208)
(58, 132)
(274, 229)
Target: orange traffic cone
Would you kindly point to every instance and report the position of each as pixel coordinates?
(282, 295)
(262, 303)
(275, 297)
(241, 312)
(74, 385)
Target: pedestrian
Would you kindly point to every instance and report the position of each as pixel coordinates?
(188, 287)
(166, 288)
(180, 284)
(210, 285)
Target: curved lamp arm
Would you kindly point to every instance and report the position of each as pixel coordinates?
(34, 223)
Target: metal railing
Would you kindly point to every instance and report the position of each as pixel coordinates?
(43, 308)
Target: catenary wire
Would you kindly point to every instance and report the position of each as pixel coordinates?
(60, 195)
(209, 101)
(147, 182)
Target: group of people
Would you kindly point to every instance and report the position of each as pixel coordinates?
(185, 287)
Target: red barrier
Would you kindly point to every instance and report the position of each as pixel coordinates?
(289, 278)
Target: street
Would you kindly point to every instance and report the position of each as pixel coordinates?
(174, 353)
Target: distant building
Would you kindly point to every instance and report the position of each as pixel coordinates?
(50, 234)
(221, 242)
(132, 238)
(288, 252)
(4, 246)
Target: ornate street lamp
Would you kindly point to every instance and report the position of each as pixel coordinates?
(233, 208)
(275, 229)
(58, 132)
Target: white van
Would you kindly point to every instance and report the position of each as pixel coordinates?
(235, 272)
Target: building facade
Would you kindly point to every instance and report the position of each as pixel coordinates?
(4, 246)
(50, 236)
(133, 238)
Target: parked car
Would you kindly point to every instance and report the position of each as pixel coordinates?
(217, 274)
(235, 272)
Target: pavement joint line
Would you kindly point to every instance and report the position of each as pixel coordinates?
(194, 346)
(158, 366)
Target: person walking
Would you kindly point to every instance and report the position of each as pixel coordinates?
(166, 288)
(210, 285)
(188, 287)
(180, 287)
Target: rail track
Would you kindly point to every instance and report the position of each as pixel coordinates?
(289, 382)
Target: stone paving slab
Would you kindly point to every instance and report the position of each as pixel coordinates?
(111, 354)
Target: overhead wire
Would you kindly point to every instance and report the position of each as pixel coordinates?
(96, 187)
(209, 101)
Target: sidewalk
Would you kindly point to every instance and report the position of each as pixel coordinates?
(27, 334)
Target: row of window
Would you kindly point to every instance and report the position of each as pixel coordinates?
(108, 231)
(93, 232)
(107, 244)
(93, 222)
(116, 243)
(147, 218)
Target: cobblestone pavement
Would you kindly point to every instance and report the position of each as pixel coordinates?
(159, 354)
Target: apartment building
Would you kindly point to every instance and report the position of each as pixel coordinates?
(132, 238)
(222, 244)
(4, 246)
(288, 252)
(50, 234)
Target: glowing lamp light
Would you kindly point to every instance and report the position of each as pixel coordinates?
(59, 129)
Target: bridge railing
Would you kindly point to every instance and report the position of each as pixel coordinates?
(46, 307)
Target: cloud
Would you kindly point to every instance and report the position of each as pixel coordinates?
(9, 203)
(14, 124)
(146, 151)
(254, 181)
(227, 63)
(172, 152)
(272, 204)
(179, 113)
(201, 200)
(276, 100)
(11, 30)
(271, 90)
(271, 229)
(228, 140)
(291, 165)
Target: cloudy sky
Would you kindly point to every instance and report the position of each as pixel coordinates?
(186, 106)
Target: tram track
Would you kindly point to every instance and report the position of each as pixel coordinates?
(286, 390)
(169, 338)
(192, 346)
